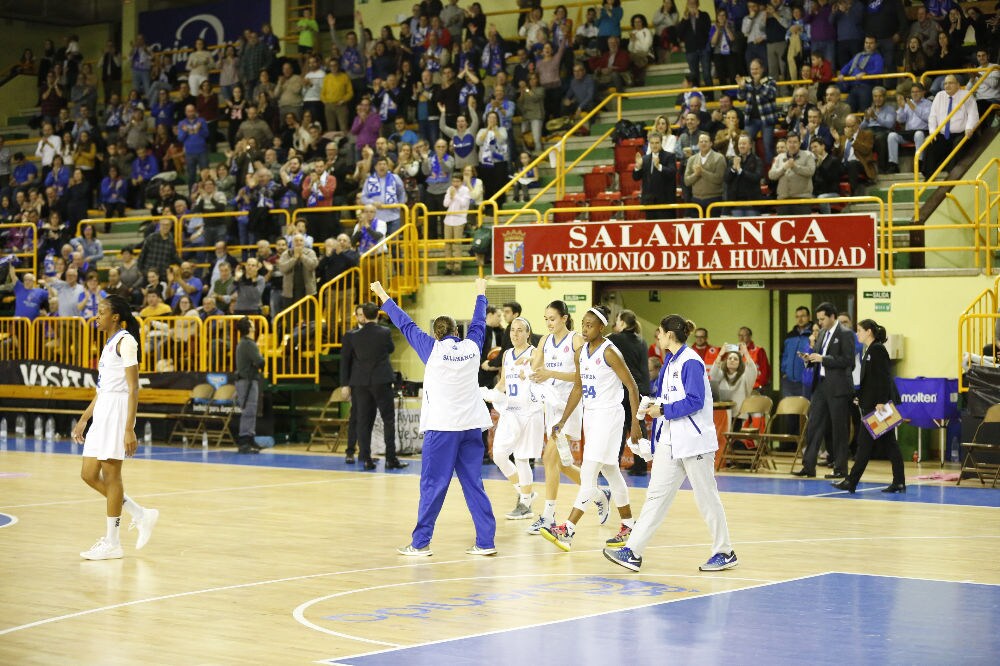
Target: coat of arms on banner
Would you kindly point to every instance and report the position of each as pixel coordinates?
(513, 251)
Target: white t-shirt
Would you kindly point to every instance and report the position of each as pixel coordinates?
(114, 359)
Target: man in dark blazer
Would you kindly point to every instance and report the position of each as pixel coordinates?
(493, 338)
(658, 172)
(833, 390)
(366, 377)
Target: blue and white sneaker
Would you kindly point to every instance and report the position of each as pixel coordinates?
(409, 551)
(536, 527)
(602, 500)
(623, 557)
(720, 561)
(559, 535)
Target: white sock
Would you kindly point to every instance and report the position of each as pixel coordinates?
(570, 528)
(526, 499)
(112, 535)
(628, 522)
(549, 512)
(132, 507)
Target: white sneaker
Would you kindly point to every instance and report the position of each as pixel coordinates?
(536, 527)
(145, 526)
(103, 550)
(603, 503)
(476, 550)
(410, 551)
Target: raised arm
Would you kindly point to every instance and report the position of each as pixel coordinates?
(477, 329)
(421, 342)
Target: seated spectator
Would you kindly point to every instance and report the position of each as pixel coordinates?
(834, 111)
(814, 128)
(611, 68)
(704, 173)
(924, 30)
(155, 307)
(796, 114)
(826, 178)
(224, 288)
(854, 149)
(880, 118)
(114, 191)
(181, 281)
(915, 59)
(89, 245)
(726, 140)
(153, 281)
(732, 376)
(988, 92)
(128, 267)
(743, 176)
(759, 93)
(116, 287)
(793, 172)
(91, 296)
(913, 114)
(640, 49)
(865, 63)
(581, 94)
(24, 174)
(68, 293)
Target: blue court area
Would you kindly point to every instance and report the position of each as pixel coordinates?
(967, 495)
(831, 618)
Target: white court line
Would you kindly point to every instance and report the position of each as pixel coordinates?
(845, 492)
(299, 612)
(339, 660)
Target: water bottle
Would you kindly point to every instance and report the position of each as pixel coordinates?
(38, 427)
(19, 426)
(204, 440)
(3, 428)
(50, 429)
(147, 434)
(72, 427)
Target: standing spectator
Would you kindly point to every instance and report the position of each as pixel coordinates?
(463, 135)
(249, 287)
(988, 92)
(665, 28)
(366, 126)
(437, 169)
(793, 172)
(743, 177)
(49, 145)
(704, 173)
(110, 65)
(885, 20)
(308, 28)
(759, 357)
(833, 388)
(144, 167)
(229, 73)
(452, 426)
(159, 250)
(193, 134)
(777, 19)
(963, 122)
(826, 179)
(795, 344)
(640, 49)
(352, 52)
(761, 112)
(91, 296)
(249, 363)
(384, 188)
(288, 91)
(457, 201)
(298, 266)
(312, 91)
(198, 63)
(722, 39)
(366, 376)
(733, 376)
(30, 300)
(754, 31)
(336, 95)
(141, 62)
(657, 170)
(609, 22)
(69, 293)
(867, 62)
(254, 58)
(823, 32)
(848, 17)
(493, 150)
(628, 339)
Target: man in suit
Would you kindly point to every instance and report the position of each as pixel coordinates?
(743, 177)
(658, 173)
(493, 338)
(833, 389)
(366, 375)
(352, 419)
(855, 150)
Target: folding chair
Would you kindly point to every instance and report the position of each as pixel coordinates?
(329, 429)
(769, 453)
(224, 404)
(758, 410)
(978, 447)
(188, 422)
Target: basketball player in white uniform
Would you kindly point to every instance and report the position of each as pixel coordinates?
(112, 434)
(554, 366)
(601, 373)
(521, 429)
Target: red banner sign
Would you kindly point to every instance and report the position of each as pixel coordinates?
(715, 245)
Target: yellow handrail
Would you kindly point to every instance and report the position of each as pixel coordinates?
(337, 299)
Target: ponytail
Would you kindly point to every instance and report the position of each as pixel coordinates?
(563, 310)
(120, 307)
(679, 326)
(878, 332)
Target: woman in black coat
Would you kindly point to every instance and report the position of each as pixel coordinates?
(628, 339)
(877, 388)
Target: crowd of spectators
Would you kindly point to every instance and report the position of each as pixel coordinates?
(425, 111)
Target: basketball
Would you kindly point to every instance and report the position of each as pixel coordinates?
(493, 354)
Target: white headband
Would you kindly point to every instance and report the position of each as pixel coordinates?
(597, 313)
(526, 322)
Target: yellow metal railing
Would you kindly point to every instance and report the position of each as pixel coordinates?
(17, 340)
(229, 214)
(337, 300)
(550, 213)
(975, 332)
(62, 340)
(218, 337)
(295, 342)
(167, 343)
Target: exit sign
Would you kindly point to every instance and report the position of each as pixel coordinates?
(883, 307)
(749, 284)
(574, 297)
(877, 294)
(570, 308)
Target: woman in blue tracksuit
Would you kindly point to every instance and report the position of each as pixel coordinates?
(684, 445)
(452, 418)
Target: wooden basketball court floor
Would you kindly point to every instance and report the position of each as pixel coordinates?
(289, 558)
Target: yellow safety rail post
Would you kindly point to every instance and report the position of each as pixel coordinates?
(61, 340)
(26, 254)
(188, 249)
(393, 263)
(132, 219)
(170, 344)
(546, 218)
(216, 343)
(989, 220)
(980, 195)
(16, 341)
(976, 327)
(337, 300)
(421, 220)
(296, 342)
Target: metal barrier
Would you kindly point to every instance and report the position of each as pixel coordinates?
(129, 220)
(168, 343)
(224, 214)
(26, 252)
(393, 262)
(977, 327)
(546, 217)
(295, 342)
(219, 337)
(337, 300)
(972, 224)
(16, 338)
(62, 340)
